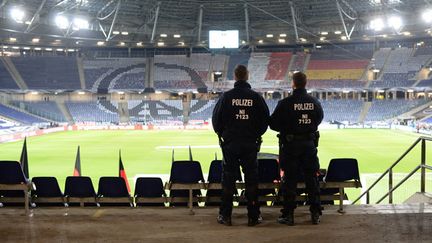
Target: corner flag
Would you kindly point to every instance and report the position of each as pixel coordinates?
(77, 169)
(24, 159)
(122, 172)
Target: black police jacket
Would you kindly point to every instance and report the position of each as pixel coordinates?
(297, 114)
(240, 114)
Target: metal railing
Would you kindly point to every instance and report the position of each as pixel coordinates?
(422, 166)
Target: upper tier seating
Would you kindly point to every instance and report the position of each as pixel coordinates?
(299, 62)
(149, 110)
(201, 109)
(234, 60)
(257, 67)
(51, 73)
(278, 65)
(6, 80)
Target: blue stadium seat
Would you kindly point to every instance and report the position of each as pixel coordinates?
(79, 189)
(149, 191)
(342, 170)
(268, 172)
(112, 191)
(213, 196)
(185, 172)
(14, 186)
(47, 192)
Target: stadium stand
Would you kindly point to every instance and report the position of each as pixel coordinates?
(341, 84)
(200, 62)
(6, 80)
(257, 66)
(19, 116)
(48, 73)
(379, 58)
(164, 110)
(299, 61)
(337, 65)
(342, 110)
(390, 80)
(234, 60)
(112, 71)
(385, 109)
(46, 109)
(92, 112)
(201, 109)
(278, 65)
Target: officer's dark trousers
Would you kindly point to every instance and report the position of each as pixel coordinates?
(244, 154)
(299, 160)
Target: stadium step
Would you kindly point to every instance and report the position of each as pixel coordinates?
(419, 197)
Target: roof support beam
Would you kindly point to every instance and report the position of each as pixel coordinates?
(114, 20)
(200, 16)
(246, 22)
(294, 20)
(155, 22)
(342, 19)
(36, 15)
(3, 3)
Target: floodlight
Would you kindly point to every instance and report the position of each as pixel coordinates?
(395, 22)
(62, 22)
(377, 24)
(80, 23)
(17, 14)
(427, 15)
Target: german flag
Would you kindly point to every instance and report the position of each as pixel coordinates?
(122, 172)
(77, 169)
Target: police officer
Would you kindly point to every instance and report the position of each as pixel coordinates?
(240, 117)
(296, 118)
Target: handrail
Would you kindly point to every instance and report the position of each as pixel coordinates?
(389, 170)
(403, 181)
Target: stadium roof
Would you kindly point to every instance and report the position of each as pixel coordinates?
(128, 22)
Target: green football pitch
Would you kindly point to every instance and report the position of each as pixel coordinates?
(149, 152)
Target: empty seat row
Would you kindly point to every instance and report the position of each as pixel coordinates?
(186, 180)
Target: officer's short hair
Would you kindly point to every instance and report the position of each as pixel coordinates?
(241, 72)
(299, 80)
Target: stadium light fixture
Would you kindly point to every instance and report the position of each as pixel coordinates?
(17, 14)
(12, 39)
(120, 92)
(163, 35)
(324, 33)
(80, 23)
(375, 70)
(260, 41)
(26, 48)
(139, 44)
(158, 92)
(62, 22)
(427, 15)
(122, 44)
(27, 22)
(283, 35)
(177, 36)
(34, 93)
(37, 48)
(338, 32)
(406, 33)
(322, 38)
(270, 92)
(35, 40)
(48, 49)
(281, 40)
(116, 32)
(161, 44)
(125, 33)
(59, 49)
(344, 37)
(15, 47)
(181, 43)
(243, 42)
(100, 43)
(70, 50)
(195, 92)
(303, 40)
(376, 24)
(318, 47)
(269, 35)
(5, 47)
(395, 22)
(81, 92)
